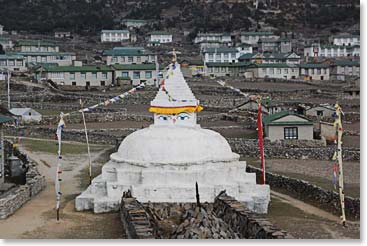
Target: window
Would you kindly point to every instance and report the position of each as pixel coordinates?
(82, 75)
(318, 71)
(130, 59)
(217, 57)
(286, 70)
(290, 133)
(43, 59)
(136, 75)
(94, 75)
(3, 63)
(103, 83)
(278, 71)
(271, 70)
(124, 74)
(148, 74)
(216, 69)
(34, 58)
(320, 113)
(72, 76)
(73, 83)
(138, 59)
(19, 63)
(264, 70)
(104, 75)
(87, 83)
(114, 59)
(11, 62)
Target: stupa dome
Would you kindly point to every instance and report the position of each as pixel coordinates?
(174, 145)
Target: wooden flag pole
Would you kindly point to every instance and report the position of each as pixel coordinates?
(339, 129)
(87, 140)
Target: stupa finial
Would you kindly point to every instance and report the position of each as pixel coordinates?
(174, 56)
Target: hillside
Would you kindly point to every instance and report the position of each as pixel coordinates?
(90, 16)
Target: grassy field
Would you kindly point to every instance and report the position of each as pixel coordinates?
(49, 146)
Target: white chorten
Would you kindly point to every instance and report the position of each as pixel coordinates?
(162, 162)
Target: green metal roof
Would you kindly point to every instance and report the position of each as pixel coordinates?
(246, 56)
(257, 33)
(347, 63)
(126, 51)
(227, 64)
(221, 50)
(44, 53)
(35, 43)
(146, 66)
(102, 68)
(4, 119)
(160, 33)
(313, 65)
(11, 56)
(269, 120)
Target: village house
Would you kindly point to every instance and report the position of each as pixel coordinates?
(128, 55)
(6, 43)
(291, 58)
(78, 75)
(213, 40)
(280, 45)
(317, 50)
(224, 54)
(219, 69)
(153, 43)
(115, 35)
(136, 74)
(192, 68)
(344, 69)
(314, 71)
(36, 46)
(133, 23)
(13, 63)
(346, 40)
(160, 36)
(252, 38)
(59, 58)
(275, 70)
(268, 106)
(61, 34)
(286, 125)
(26, 115)
(321, 111)
(1, 29)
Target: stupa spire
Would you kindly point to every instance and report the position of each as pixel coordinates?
(174, 95)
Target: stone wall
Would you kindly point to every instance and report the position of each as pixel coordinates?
(245, 223)
(296, 149)
(14, 198)
(136, 220)
(303, 190)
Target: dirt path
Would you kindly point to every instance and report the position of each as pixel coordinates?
(36, 219)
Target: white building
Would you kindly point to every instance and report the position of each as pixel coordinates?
(313, 71)
(115, 35)
(223, 38)
(128, 55)
(225, 54)
(346, 40)
(26, 115)
(14, 63)
(36, 46)
(133, 23)
(61, 34)
(275, 70)
(291, 58)
(344, 69)
(321, 111)
(253, 37)
(161, 37)
(6, 43)
(136, 74)
(59, 58)
(317, 50)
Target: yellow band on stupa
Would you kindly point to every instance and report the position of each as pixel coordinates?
(167, 110)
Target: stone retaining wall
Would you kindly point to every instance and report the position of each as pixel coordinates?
(297, 149)
(303, 190)
(14, 198)
(245, 223)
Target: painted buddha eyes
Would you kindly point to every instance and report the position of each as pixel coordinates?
(163, 117)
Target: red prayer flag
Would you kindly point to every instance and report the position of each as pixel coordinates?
(261, 143)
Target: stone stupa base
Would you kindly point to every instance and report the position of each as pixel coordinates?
(172, 183)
